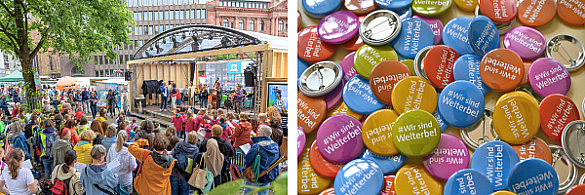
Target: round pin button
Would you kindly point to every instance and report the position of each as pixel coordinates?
(341, 108)
(320, 78)
(328, 191)
(353, 44)
(320, 8)
(576, 190)
(548, 76)
(410, 64)
(431, 8)
(404, 13)
(527, 42)
(481, 132)
(414, 35)
(573, 139)
(500, 11)
(308, 181)
(440, 120)
(501, 70)
(533, 175)
(419, 65)
(384, 77)
(388, 187)
(311, 112)
(359, 177)
(347, 66)
(416, 133)
(466, 68)
(516, 118)
(556, 111)
(414, 93)
(301, 67)
(567, 49)
(339, 138)
(483, 35)
(450, 156)
(321, 165)
(311, 48)
(466, 5)
(360, 7)
(389, 164)
(301, 141)
(455, 35)
(435, 24)
(527, 64)
(377, 132)
(380, 27)
(462, 104)
(334, 97)
(468, 181)
(572, 12)
(413, 179)
(338, 27)
(366, 57)
(439, 65)
(535, 148)
(561, 164)
(393, 4)
(358, 96)
(536, 13)
(495, 159)
(503, 192)
(299, 18)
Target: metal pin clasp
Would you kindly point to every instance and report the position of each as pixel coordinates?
(555, 47)
(580, 138)
(317, 68)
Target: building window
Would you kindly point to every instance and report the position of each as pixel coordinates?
(156, 30)
(76, 71)
(251, 28)
(203, 15)
(182, 14)
(166, 15)
(241, 26)
(177, 13)
(172, 15)
(261, 25)
(101, 60)
(280, 25)
(198, 14)
(155, 15)
(160, 15)
(226, 23)
(51, 62)
(192, 14)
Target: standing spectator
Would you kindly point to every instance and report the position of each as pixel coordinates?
(183, 151)
(219, 90)
(45, 144)
(96, 126)
(164, 94)
(78, 99)
(17, 180)
(154, 178)
(204, 96)
(70, 125)
(200, 122)
(85, 96)
(102, 117)
(110, 137)
(93, 99)
(96, 178)
(111, 99)
(177, 95)
(56, 100)
(227, 130)
(242, 133)
(66, 171)
(224, 146)
(4, 105)
(277, 134)
(269, 154)
(83, 124)
(262, 119)
(214, 160)
(127, 162)
(84, 147)
(191, 94)
(19, 140)
(239, 100)
(178, 123)
(189, 122)
(61, 146)
(173, 97)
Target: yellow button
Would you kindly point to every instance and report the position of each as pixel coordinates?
(414, 92)
(503, 192)
(308, 181)
(516, 118)
(377, 132)
(341, 108)
(466, 5)
(413, 179)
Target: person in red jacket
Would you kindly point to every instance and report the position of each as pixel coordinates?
(178, 122)
(242, 132)
(199, 121)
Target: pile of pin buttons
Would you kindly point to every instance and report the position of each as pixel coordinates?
(392, 97)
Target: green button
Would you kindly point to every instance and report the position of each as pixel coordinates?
(431, 7)
(366, 57)
(416, 133)
(410, 64)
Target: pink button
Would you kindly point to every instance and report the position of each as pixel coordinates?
(301, 141)
(450, 156)
(339, 138)
(436, 25)
(347, 66)
(548, 76)
(527, 42)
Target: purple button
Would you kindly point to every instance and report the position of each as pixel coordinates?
(301, 141)
(548, 76)
(436, 25)
(527, 42)
(338, 27)
(339, 138)
(347, 66)
(333, 97)
(450, 156)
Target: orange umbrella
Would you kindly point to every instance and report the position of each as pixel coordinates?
(65, 81)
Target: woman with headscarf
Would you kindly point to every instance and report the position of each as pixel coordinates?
(214, 161)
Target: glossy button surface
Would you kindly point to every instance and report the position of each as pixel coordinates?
(500, 11)
(548, 76)
(576, 190)
(435, 24)
(389, 164)
(556, 111)
(503, 192)
(413, 179)
(328, 191)
(455, 35)
(384, 77)
(338, 27)
(347, 66)
(366, 57)
(353, 44)
(358, 96)
(450, 156)
(389, 184)
(341, 108)
(311, 48)
(431, 7)
(483, 35)
(572, 12)
(333, 97)
(466, 68)
(339, 138)
(320, 8)
(414, 93)
(321, 165)
(360, 7)
(440, 120)
(534, 175)
(301, 141)
(516, 118)
(414, 35)
(439, 65)
(416, 133)
(308, 181)
(527, 42)
(535, 148)
(377, 132)
(410, 64)
(468, 181)
(572, 141)
(359, 177)
(301, 67)
(311, 112)
(496, 158)
(536, 13)
(501, 70)
(393, 4)
(466, 5)
(461, 104)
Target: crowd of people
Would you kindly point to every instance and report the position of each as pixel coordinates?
(170, 93)
(78, 155)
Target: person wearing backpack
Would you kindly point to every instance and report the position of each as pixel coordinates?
(158, 163)
(61, 146)
(119, 152)
(19, 140)
(96, 178)
(45, 144)
(242, 133)
(31, 131)
(269, 154)
(65, 178)
(184, 152)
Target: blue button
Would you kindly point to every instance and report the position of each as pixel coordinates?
(415, 34)
(320, 8)
(393, 4)
(302, 65)
(466, 68)
(468, 181)
(388, 164)
(483, 35)
(495, 160)
(404, 13)
(440, 120)
(358, 96)
(455, 35)
(461, 104)
(534, 176)
(359, 177)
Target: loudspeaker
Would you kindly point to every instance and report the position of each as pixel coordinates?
(249, 76)
(128, 76)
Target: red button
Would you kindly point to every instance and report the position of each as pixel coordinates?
(499, 11)
(353, 44)
(577, 190)
(321, 165)
(311, 48)
(501, 69)
(384, 76)
(535, 148)
(328, 191)
(389, 184)
(556, 111)
(311, 112)
(533, 13)
(571, 12)
(438, 65)
(527, 64)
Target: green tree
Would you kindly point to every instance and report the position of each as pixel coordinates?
(77, 28)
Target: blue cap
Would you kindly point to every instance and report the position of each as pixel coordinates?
(455, 35)
(414, 35)
(466, 68)
(320, 8)
(388, 164)
(534, 176)
(358, 96)
(483, 35)
(495, 160)
(468, 181)
(393, 4)
(461, 104)
(360, 177)
(302, 65)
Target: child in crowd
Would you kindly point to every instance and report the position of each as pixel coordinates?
(83, 125)
(189, 123)
(178, 122)
(133, 125)
(207, 129)
(199, 121)
(214, 119)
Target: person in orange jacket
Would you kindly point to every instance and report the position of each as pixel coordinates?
(157, 165)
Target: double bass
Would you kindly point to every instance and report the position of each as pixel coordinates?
(214, 99)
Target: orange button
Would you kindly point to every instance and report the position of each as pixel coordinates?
(535, 148)
(389, 184)
(328, 191)
(572, 12)
(439, 65)
(534, 14)
(321, 165)
(577, 190)
(308, 181)
(556, 111)
(499, 11)
(501, 70)
(527, 64)
(384, 77)
(298, 20)
(353, 44)
(311, 48)
(311, 112)
(341, 108)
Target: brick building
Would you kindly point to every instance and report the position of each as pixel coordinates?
(264, 16)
